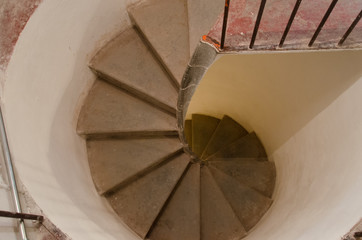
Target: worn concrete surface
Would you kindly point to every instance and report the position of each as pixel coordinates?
(249, 205)
(226, 132)
(128, 63)
(203, 128)
(258, 175)
(139, 203)
(202, 16)
(114, 162)
(248, 146)
(109, 110)
(167, 33)
(181, 217)
(218, 220)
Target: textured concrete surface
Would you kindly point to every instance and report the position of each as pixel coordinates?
(203, 128)
(218, 220)
(202, 16)
(128, 63)
(167, 33)
(249, 205)
(109, 110)
(139, 203)
(248, 146)
(181, 217)
(226, 132)
(114, 162)
(259, 175)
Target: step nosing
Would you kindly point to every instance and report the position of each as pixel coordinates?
(143, 172)
(138, 93)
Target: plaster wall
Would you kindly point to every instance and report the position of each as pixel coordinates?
(306, 109)
(43, 88)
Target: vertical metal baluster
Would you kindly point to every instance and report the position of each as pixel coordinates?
(321, 24)
(291, 19)
(10, 170)
(257, 23)
(350, 29)
(224, 24)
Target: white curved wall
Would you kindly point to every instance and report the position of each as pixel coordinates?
(306, 108)
(47, 74)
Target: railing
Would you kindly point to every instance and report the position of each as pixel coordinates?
(14, 189)
(289, 24)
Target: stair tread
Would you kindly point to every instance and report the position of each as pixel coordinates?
(259, 175)
(128, 63)
(188, 132)
(181, 217)
(167, 31)
(115, 161)
(246, 146)
(218, 220)
(203, 128)
(202, 17)
(249, 205)
(108, 109)
(139, 203)
(226, 132)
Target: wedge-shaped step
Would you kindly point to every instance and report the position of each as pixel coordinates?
(202, 16)
(248, 146)
(188, 132)
(115, 162)
(139, 203)
(180, 219)
(249, 205)
(110, 111)
(218, 220)
(258, 175)
(165, 25)
(226, 132)
(202, 129)
(128, 63)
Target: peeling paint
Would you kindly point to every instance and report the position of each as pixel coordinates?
(13, 17)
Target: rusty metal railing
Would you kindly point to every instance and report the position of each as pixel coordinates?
(289, 24)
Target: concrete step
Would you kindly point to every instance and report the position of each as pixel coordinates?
(249, 205)
(115, 162)
(140, 202)
(248, 146)
(218, 220)
(128, 63)
(226, 132)
(203, 128)
(180, 219)
(188, 132)
(108, 111)
(202, 17)
(164, 23)
(258, 175)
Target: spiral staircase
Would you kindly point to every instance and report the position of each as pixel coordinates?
(217, 185)
(167, 177)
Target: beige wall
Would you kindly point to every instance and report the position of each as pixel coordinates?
(45, 83)
(306, 108)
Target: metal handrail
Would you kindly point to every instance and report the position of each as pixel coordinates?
(11, 175)
(291, 19)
